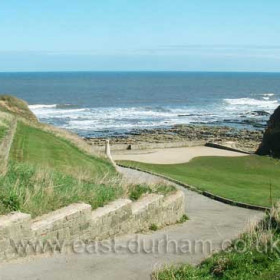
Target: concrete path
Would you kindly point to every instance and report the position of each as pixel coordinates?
(172, 155)
(210, 221)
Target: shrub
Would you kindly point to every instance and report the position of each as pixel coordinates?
(153, 227)
(183, 219)
(10, 202)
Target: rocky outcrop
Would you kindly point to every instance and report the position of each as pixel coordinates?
(271, 140)
(183, 136)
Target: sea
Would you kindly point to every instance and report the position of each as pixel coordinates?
(103, 104)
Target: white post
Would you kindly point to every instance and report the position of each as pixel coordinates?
(108, 153)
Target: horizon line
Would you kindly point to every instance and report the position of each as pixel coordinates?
(137, 71)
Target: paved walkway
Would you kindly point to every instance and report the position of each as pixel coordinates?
(172, 155)
(209, 221)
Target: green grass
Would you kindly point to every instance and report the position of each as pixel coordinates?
(46, 172)
(252, 257)
(183, 219)
(244, 179)
(40, 148)
(37, 191)
(3, 131)
(4, 124)
(136, 191)
(228, 266)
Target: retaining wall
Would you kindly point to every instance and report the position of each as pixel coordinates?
(79, 222)
(223, 147)
(147, 145)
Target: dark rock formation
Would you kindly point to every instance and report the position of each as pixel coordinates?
(271, 139)
(260, 113)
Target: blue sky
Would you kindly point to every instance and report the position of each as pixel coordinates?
(165, 35)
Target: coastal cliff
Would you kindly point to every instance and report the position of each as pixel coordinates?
(271, 140)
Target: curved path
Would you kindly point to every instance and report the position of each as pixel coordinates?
(210, 221)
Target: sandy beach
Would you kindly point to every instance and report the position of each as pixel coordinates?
(172, 155)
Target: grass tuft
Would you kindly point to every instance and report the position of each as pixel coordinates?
(138, 190)
(183, 219)
(153, 227)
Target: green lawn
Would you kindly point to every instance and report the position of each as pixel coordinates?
(40, 148)
(243, 179)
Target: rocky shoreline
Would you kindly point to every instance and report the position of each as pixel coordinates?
(243, 139)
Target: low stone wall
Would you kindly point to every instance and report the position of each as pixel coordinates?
(227, 148)
(147, 145)
(18, 233)
(14, 228)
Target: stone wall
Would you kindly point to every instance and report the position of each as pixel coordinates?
(79, 222)
(147, 145)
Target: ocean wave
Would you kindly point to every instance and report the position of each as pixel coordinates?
(67, 106)
(268, 94)
(252, 102)
(41, 106)
(88, 121)
(94, 125)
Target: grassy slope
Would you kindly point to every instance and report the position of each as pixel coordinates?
(16, 106)
(37, 191)
(41, 148)
(245, 179)
(46, 172)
